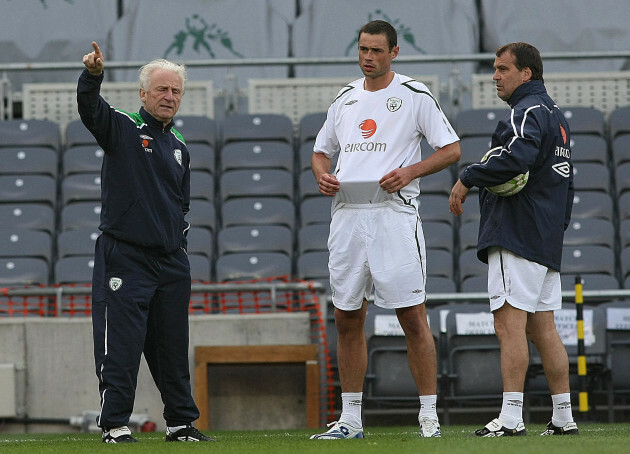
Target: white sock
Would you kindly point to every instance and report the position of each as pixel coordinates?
(351, 408)
(561, 409)
(511, 410)
(175, 429)
(428, 406)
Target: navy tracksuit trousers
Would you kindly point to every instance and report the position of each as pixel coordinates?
(140, 305)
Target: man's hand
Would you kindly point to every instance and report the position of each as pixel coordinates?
(94, 61)
(396, 179)
(457, 198)
(328, 184)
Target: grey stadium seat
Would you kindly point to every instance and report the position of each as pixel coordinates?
(34, 216)
(590, 231)
(624, 233)
(434, 207)
(254, 265)
(200, 241)
(82, 159)
(29, 160)
(201, 185)
(619, 122)
(80, 214)
(23, 271)
(78, 134)
(197, 129)
(202, 214)
(307, 185)
(309, 126)
(438, 235)
(590, 281)
(478, 122)
(315, 210)
(313, 265)
(591, 176)
(468, 235)
(81, 241)
(257, 155)
(589, 204)
(440, 284)
(259, 183)
(74, 270)
(200, 267)
(388, 379)
(473, 356)
(622, 178)
(473, 149)
(588, 259)
(439, 263)
(617, 353)
(202, 157)
(621, 149)
(585, 120)
(255, 238)
(589, 148)
(313, 237)
(30, 133)
(28, 188)
(257, 127)
(437, 183)
(25, 243)
(474, 284)
(258, 210)
(81, 187)
(469, 265)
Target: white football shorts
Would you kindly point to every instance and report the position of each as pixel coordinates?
(523, 284)
(376, 246)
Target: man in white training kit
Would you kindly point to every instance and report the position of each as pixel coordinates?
(376, 240)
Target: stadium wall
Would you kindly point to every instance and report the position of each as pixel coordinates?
(55, 379)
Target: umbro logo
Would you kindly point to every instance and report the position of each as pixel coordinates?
(562, 168)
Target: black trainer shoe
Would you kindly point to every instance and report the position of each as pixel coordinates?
(569, 428)
(495, 429)
(118, 435)
(188, 433)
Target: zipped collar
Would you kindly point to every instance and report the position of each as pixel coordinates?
(533, 87)
(154, 122)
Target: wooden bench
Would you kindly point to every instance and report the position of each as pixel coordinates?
(257, 354)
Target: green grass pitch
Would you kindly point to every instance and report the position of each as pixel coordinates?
(593, 438)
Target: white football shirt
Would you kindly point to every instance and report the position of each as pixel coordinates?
(376, 132)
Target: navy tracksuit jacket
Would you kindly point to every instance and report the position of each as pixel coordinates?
(533, 137)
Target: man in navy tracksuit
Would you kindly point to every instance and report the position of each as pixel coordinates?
(141, 281)
(521, 236)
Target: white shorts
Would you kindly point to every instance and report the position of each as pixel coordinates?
(376, 246)
(523, 284)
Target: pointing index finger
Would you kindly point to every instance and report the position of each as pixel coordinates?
(97, 50)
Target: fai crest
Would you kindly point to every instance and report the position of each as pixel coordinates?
(393, 104)
(178, 155)
(115, 283)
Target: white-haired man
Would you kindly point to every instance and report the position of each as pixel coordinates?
(141, 280)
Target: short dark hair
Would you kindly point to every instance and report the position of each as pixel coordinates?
(525, 56)
(380, 27)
